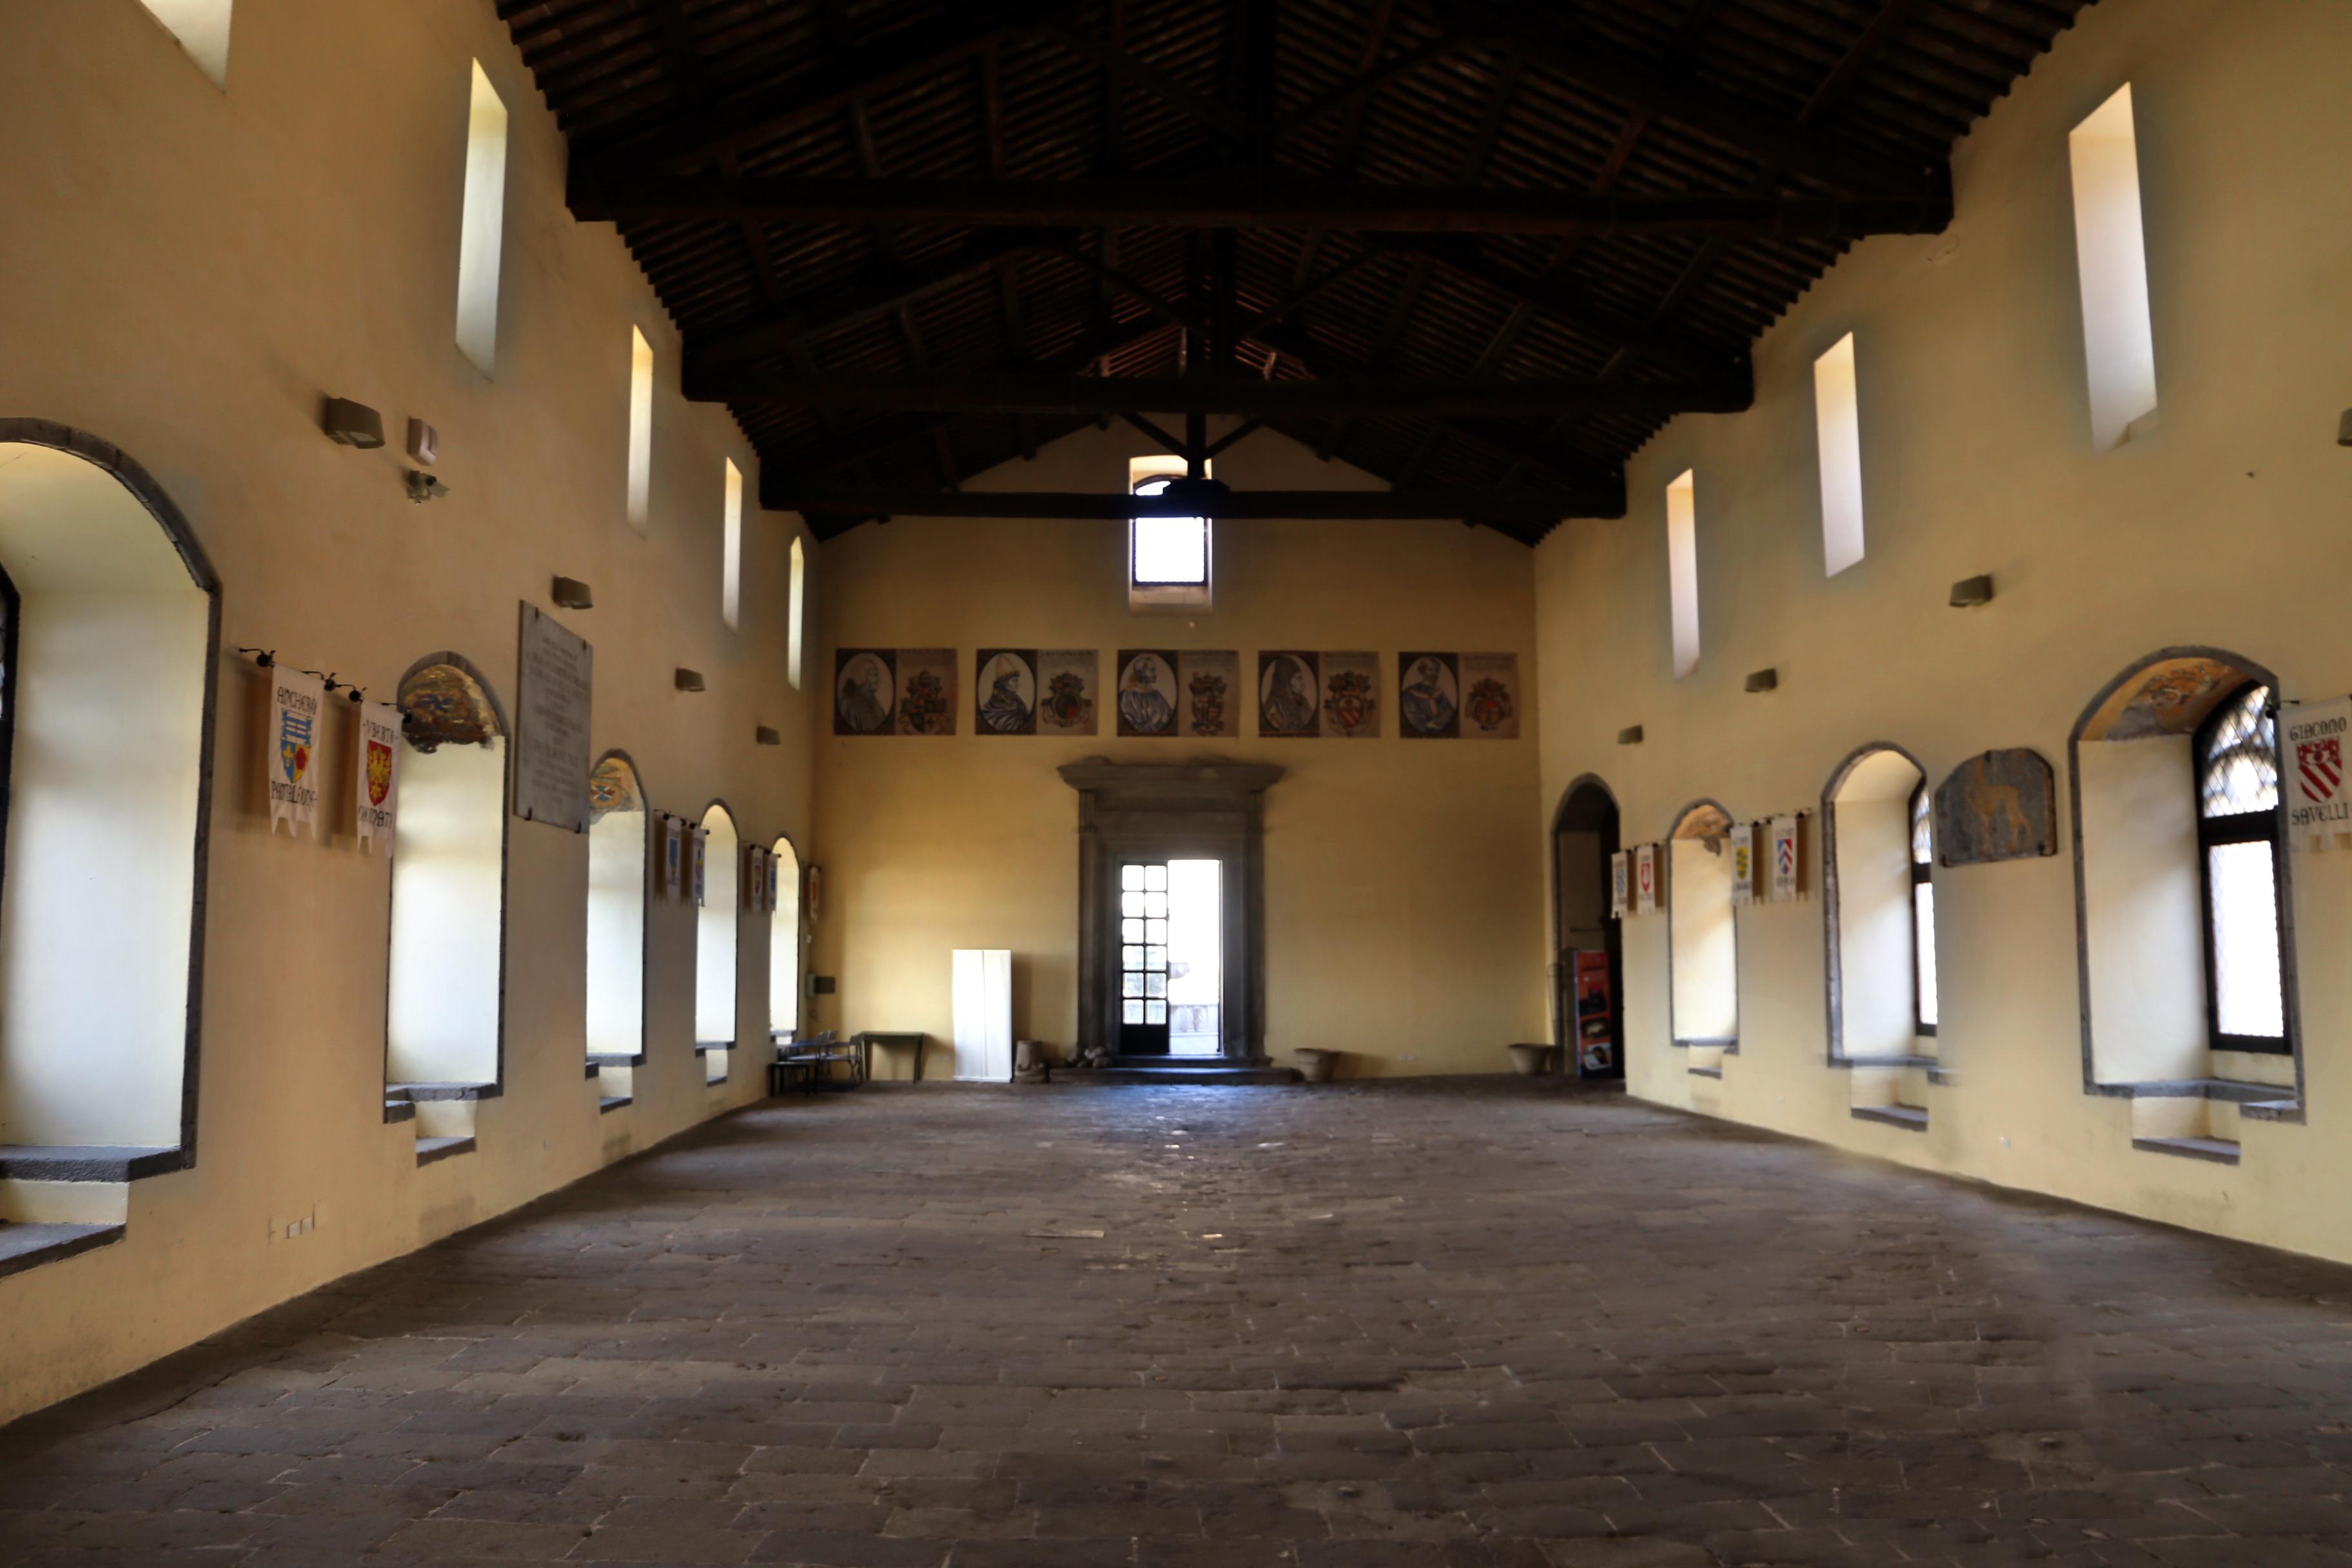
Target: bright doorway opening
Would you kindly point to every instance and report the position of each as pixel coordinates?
(1172, 958)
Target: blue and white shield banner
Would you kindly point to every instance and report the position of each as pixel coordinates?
(298, 705)
(1621, 884)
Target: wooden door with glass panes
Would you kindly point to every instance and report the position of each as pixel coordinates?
(1143, 959)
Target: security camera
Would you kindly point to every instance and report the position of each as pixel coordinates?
(423, 486)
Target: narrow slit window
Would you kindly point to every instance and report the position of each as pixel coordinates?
(481, 233)
(1838, 433)
(201, 28)
(1923, 909)
(730, 571)
(2111, 249)
(792, 629)
(1682, 569)
(641, 431)
(1170, 559)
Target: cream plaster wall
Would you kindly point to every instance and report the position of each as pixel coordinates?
(2220, 522)
(1405, 919)
(184, 272)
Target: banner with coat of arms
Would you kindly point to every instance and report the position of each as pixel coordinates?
(1646, 879)
(673, 853)
(297, 704)
(2313, 738)
(1743, 863)
(1784, 860)
(379, 773)
(1621, 885)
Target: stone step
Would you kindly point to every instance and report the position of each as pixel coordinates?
(431, 1149)
(25, 1245)
(1135, 1073)
(2220, 1151)
(1911, 1118)
(613, 1102)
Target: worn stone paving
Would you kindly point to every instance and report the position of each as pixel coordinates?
(1477, 1323)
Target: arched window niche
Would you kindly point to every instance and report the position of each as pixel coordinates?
(619, 889)
(2184, 902)
(110, 636)
(1702, 940)
(1878, 911)
(446, 1013)
(717, 934)
(784, 943)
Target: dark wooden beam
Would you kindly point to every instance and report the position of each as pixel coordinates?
(1043, 392)
(1112, 506)
(1242, 204)
(1118, 62)
(843, 77)
(1546, 34)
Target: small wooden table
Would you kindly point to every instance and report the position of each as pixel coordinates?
(912, 1040)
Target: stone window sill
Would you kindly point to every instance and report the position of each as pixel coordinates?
(24, 1246)
(87, 1162)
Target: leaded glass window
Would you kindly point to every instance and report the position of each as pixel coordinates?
(1923, 909)
(2238, 839)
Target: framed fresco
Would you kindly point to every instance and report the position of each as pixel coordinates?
(1288, 701)
(1068, 684)
(865, 691)
(1208, 685)
(1148, 697)
(1429, 696)
(1005, 691)
(1999, 805)
(926, 691)
(1490, 696)
(1351, 696)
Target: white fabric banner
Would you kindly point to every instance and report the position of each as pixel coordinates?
(297, 704)
(2313, 738)
(1620, 879)
(1646, 879)
(1782, 866)
(379, 773)
(1743, 862)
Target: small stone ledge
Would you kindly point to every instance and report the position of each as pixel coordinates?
(2217, 1150)
(85, 1161)
(704, 1048)
(1912, 1059)
(1942, 1077)
(714, 1082)
(399, 1111)
(419, 1091)
(431, 1149)
(1728, 1043)
(614, 1060)
(2289, 1110)
(614, 1102)
(24, 1246)
(1705, 1072)
(1910, 1117)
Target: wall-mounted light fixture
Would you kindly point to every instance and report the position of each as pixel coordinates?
(690, 679)
(768, 737)
(1764, 680)
(1971, 592)
(352, 424)
(2344, 429)
(423, 486)
(1630, 736)
(571, 594)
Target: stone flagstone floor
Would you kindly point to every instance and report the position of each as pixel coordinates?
(1477, 1323)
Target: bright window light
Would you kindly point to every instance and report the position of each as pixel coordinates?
(730, 571)
(1923, 935)
(1682, 569)
(482, 230)
(641, 430)
(792, 636)
(2111, 249)
(202, 28)
(2249, 996)
(1838, 431)
(1169, 551)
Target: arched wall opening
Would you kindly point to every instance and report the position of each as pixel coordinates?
(447, 988)
(1702, 938)
(784, 939)
(1878, 905)
(2184, 898)
(1589, 968)
(718, 930)
(619, 888)
(110, 649)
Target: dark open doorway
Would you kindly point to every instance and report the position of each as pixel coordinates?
(1589, 969)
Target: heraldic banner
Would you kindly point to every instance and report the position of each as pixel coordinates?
(1621, 884)
(1743, 862)
(2314, 740)
(1782, 868)
(298, 703)
(379, 773)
